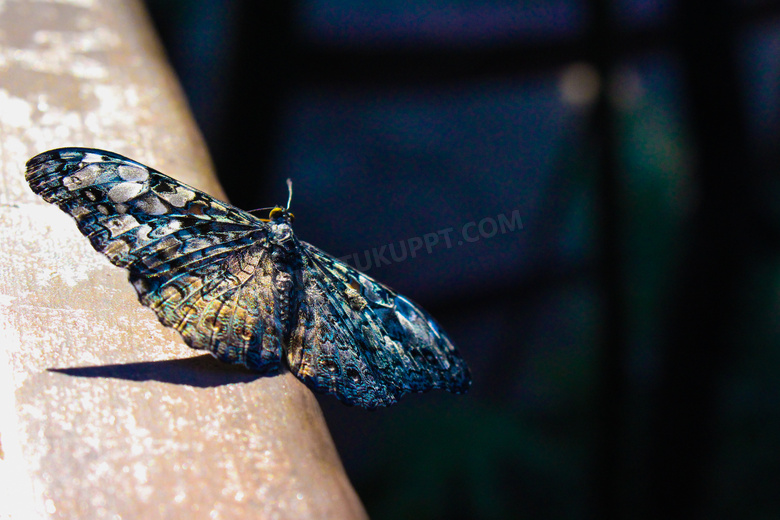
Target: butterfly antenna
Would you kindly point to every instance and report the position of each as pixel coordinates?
(258, 210)
(289, 188)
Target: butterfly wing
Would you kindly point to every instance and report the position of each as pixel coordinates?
(200, 264)
(365, 344)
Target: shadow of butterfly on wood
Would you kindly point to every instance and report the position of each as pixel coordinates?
(246, 289)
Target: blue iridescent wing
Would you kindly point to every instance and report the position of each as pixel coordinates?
(200, 264)
(365, 344)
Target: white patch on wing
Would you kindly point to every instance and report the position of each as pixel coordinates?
(179, 198)
(125, 191)
(90, 157)
(121, 224)
(87, 176)
(150, 205)
(130, 172)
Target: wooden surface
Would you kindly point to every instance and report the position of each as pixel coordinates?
(104, 413)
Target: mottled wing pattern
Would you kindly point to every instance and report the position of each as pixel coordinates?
(199, 263)
(247, 290)
(357, 339)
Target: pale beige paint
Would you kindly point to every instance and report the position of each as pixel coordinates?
(91, 73)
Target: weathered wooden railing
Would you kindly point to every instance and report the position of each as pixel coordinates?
(104, 413)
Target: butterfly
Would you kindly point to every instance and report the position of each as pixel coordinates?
(246, 289)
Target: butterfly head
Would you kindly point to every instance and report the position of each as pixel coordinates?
(280, 221)
(279, 214)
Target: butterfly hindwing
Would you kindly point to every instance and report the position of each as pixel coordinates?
(367, 344)
(228, 307)
(191, 258)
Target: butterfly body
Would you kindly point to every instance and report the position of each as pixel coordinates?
(248, 290)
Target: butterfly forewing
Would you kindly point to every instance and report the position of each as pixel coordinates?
(191, 258)
(246, 290)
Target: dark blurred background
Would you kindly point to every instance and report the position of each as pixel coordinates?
(607, 176)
